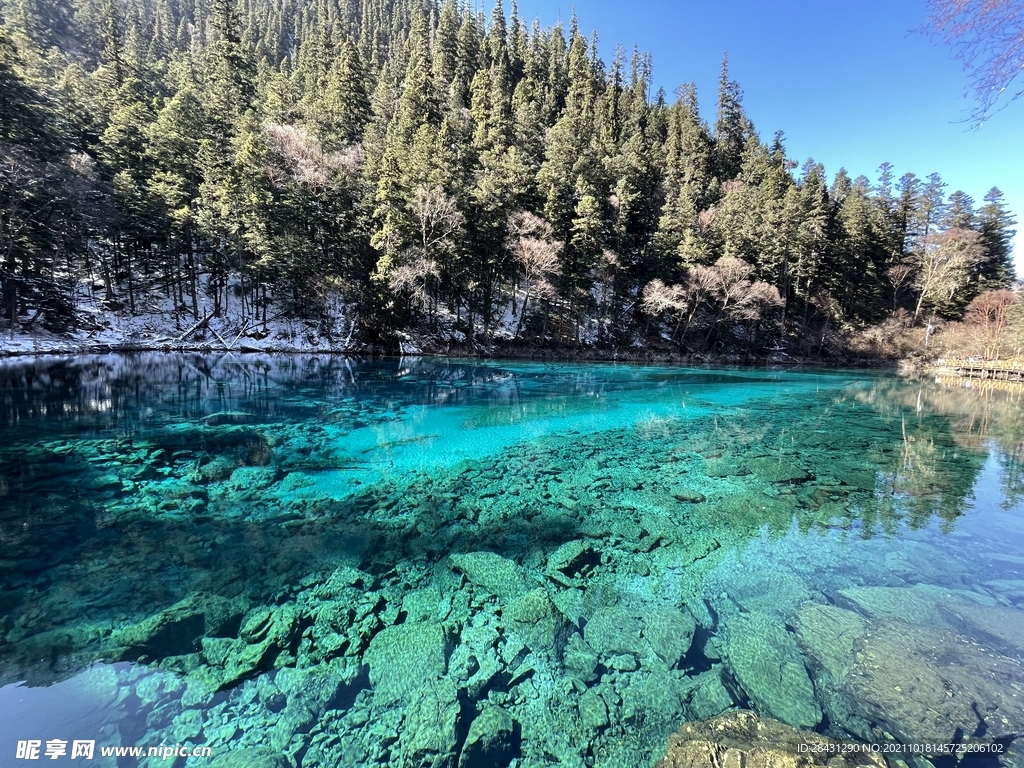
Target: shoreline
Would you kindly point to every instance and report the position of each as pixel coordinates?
(633, 356)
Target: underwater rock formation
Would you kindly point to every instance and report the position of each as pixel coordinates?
(273, 580)
(766, 662)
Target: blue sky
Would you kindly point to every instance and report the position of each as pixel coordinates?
(850, 83)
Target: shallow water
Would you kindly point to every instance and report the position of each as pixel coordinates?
(312, 562)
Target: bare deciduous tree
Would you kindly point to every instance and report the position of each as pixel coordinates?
(988, 37)
(898, 275)
(413, 277)
(731, 275)
(537, 257)
(299, 157)
(725, 285)
(989, 314)
(944, 263)
(437, 218)
(658, 298)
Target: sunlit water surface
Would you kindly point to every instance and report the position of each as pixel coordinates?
(301, 561)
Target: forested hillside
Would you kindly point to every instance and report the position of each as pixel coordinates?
(394, 167)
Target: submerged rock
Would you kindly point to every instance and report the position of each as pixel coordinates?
(708, 696)
(533, 616)
(498, 575)
(580, 659)
(177, 630)
(593, 710)
(778, 470)
(920, 684)
(754, 587)
(670, 633)
(917, 605)
(429, 730)
(765, 660)
(827, 636)
(930, 685)
(613, 630)
(571, 561)
(493, 740)
(1001, 629)
(229, 417)
(405, 658)
(249, 758)
(746, 739)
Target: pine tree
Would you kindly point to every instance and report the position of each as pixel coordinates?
(347, 104)
(230, 72)
(996, 224)
(28, 119)
(859, 245)
(959, 211)
(446, 50)
(732, 129)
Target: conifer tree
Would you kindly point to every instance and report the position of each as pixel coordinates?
(231, 154)
(732, 129)
(996, 226)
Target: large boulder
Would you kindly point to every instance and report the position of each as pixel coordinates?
(827, 636)
(995, 627)
(917, 605)
(743, 738)
(929, 685)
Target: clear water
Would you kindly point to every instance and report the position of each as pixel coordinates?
(312, 562)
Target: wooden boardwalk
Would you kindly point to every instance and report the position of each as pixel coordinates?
(996, 370)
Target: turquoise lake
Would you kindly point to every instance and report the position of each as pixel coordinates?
(307, 561)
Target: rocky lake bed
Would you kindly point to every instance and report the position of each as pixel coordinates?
(300, 563)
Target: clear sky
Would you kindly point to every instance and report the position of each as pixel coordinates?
(850, 83)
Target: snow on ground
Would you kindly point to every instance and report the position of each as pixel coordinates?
(155, 326)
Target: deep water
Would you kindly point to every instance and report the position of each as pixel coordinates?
(302, 561)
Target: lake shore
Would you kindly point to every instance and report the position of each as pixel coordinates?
(541, 354)
(42, 344)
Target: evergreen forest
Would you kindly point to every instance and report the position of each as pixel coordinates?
(396, 169)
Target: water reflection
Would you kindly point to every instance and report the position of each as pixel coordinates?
(457, 563)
